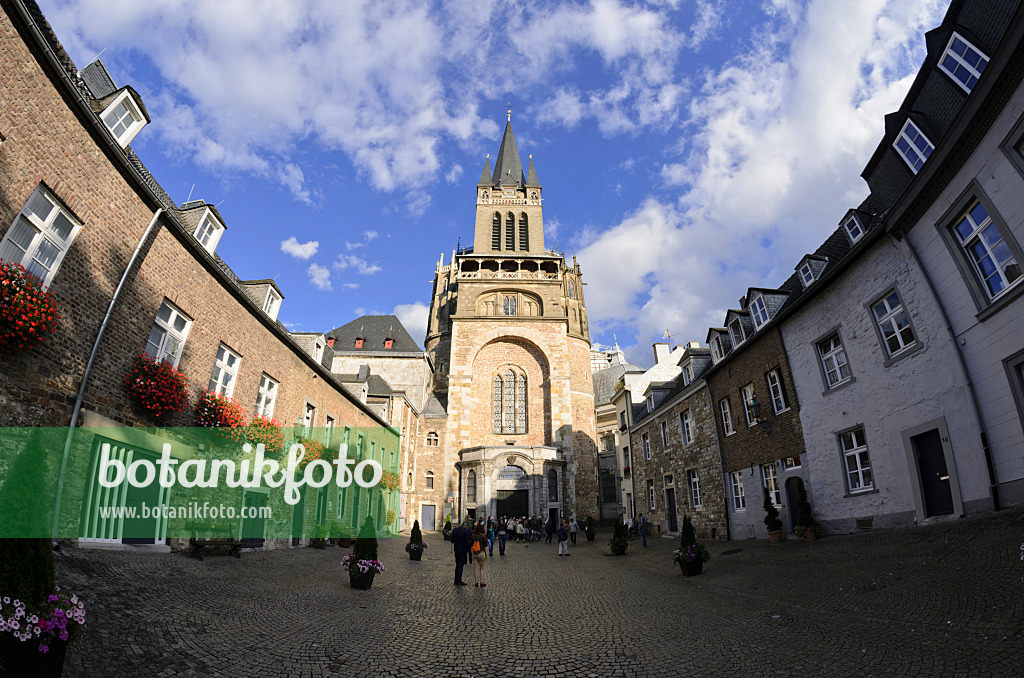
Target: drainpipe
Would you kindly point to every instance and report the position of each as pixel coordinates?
(88, 368)
(993, 484)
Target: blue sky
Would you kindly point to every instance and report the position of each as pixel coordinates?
(688, 149)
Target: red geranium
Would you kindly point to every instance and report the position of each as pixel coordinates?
(28, 313)
(390, 481)
(219, 412)
(268, 432)
(156, 386)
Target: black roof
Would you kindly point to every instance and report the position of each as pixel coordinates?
(373, 330)
(508, 168)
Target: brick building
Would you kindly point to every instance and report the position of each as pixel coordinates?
(79, 208)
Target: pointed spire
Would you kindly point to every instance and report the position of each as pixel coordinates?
(531, 175)
(485, 176)
(508, 168)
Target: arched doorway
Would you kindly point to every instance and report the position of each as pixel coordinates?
(793, 501)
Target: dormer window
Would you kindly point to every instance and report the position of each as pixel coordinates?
(913, 146)
(806, 274)
(736, 331)
(318, 351)
(650, 402)
(388, 343)
(759, 312)
(963, 62)
(854, 229)
(716, 348)
(123, 118)
(359, 342)
(208, 232)
(272, 304)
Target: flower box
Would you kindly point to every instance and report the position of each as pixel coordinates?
(155, 386)
(28, 313)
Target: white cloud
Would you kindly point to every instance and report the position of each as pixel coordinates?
(454, 174)
(351, 286)
(414, 317)
(319, 277)
(779, 137)
(361, 266)
(369, 236)
(300, 250)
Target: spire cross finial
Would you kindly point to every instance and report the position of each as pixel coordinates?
(508, 111)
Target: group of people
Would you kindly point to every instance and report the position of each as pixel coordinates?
(474, 541)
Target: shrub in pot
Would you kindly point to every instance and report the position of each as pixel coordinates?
(771, 519)
(806, 526)
(618, 543)
(362, 563)
(416, 545)
(690, 555)
(589, 529)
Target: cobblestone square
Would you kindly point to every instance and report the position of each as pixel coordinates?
(937, 600)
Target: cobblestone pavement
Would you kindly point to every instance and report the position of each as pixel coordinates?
(938, 600)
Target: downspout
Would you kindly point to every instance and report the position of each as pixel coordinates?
(993, 484)
(88, 368)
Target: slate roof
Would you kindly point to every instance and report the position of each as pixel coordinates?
(485, 176)
(531, 176)
(98, 80)
(436, 405)
(606, 379)
(373, 329)
(376, 385)
(508, 168)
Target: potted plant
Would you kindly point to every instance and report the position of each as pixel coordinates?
(155, 386)
(224, 415)
(319, 540)
(618, 543)
(447, 531)
(335, 531)
(690, 555)
(589, 529)
(416, 545)
(37, 619)
(268, 432)
(806, 526)
(771, 519)
(362, 563)
(28, 313)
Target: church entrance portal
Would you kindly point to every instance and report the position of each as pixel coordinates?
(513, 503)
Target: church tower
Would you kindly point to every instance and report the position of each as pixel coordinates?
(510, 344)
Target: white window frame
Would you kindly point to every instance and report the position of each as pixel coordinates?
(43, 234)
(778, 394)
(650, 403)
(739, 500)
(693, 480)
(888, 322)
(328, 427)
(664, 433)
(209, 239)
(650, 494)
(747, 393)
(854, 230)
(759, 312)
(974, 238)
(138, 119)
(961, 63)
(167, 327)
(686, 427)
(737, 330)
(428, 483)
(726, 410)
(647, 446)
(318, 350)
(913, 154)
(716, 348)
(791, 462)
(806, 274)
(272, 303)
(854, 447)
(225, 371)
(835, 355)
(266, 396)
(687, 373)
(770, 480)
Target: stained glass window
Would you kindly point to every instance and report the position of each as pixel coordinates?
(510, 402)
(521, 405)
(497, 403)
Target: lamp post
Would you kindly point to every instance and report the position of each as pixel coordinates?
(755, 412)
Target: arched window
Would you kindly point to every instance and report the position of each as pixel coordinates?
(409, 484)
(496, 232)
(509, 402)
(508, 305)
(510, 232)
(430, 480)
(572, 290)
(552, 485)
(524, 233)
(471, 487)
(432, 439)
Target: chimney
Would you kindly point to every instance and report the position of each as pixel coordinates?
(661, 352)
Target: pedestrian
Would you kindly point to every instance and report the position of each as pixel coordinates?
(478, 552)
(563, 539)
(520, 531)
(574, 527)
(491, 537)
(461, 538)
(502, 537)
(629, 526)
(550, 528)
(641, 523)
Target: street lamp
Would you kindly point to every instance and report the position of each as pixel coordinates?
(755, 412)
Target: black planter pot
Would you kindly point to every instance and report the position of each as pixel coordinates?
(692, 568)
(416, 555)
(591, 537)
(360, 581)
(19, 658)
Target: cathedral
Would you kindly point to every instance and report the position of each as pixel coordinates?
(508, 340)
